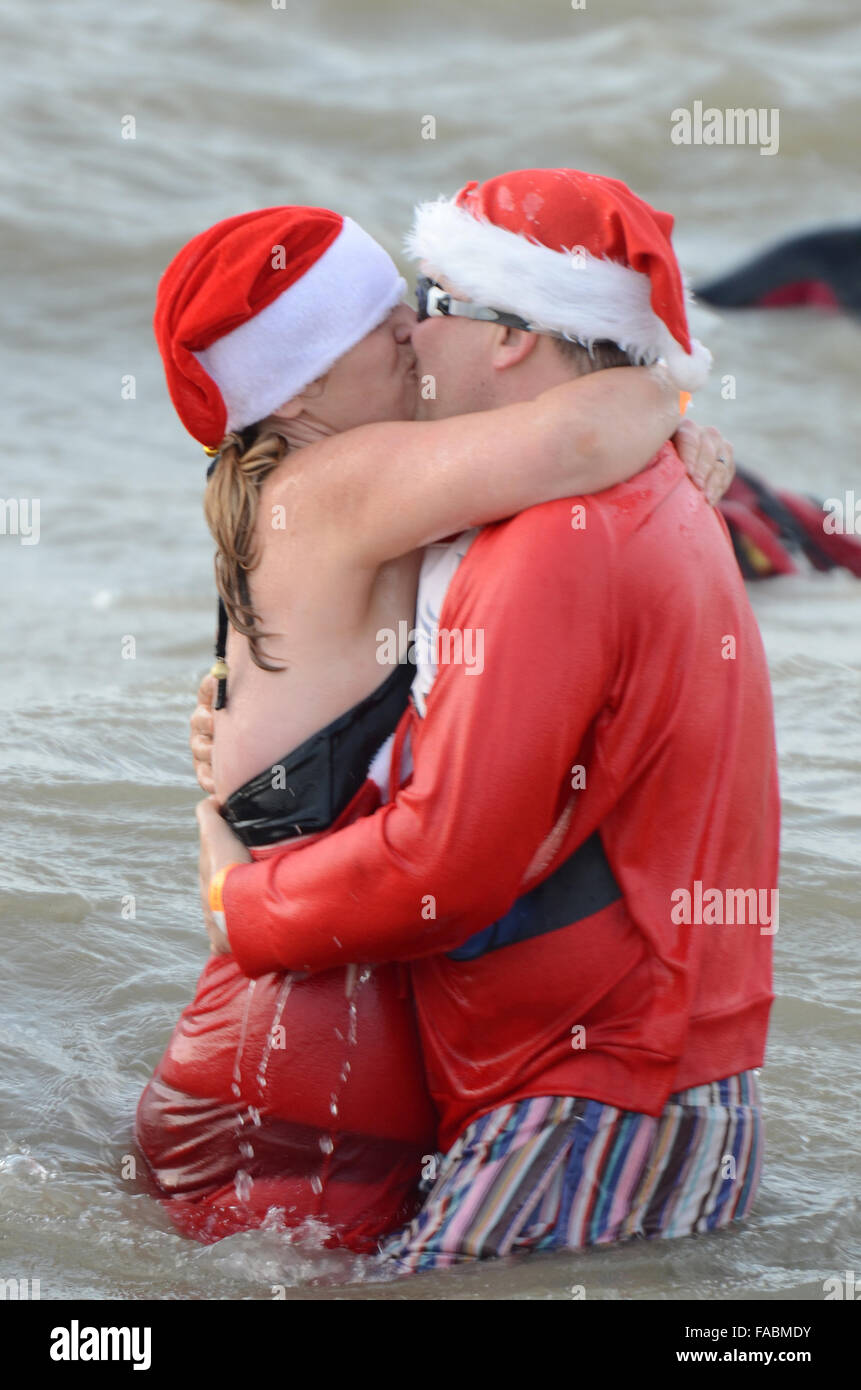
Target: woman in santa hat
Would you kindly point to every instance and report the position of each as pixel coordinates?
(288, 356)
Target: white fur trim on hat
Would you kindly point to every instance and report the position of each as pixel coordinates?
(585, 297)
(346, 293)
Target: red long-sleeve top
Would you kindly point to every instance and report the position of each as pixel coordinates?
(618, 639)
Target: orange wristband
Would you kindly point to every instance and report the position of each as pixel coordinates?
(216, 888)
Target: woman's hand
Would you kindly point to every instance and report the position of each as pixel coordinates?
(707, 456)
(202, 726)
(218, 942)
(218, 848)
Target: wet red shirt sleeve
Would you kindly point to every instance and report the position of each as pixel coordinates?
(492, 761)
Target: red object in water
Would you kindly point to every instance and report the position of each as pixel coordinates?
(840, 548)
(770, 527)
(769, 555)
(306, 1094)
(810, 292)
(238, 1118)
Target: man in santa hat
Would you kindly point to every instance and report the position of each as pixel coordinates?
(592, 1049)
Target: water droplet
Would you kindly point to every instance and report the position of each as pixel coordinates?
(316, 1185)
(246, 1150)
(243, 1185)
(327, 1143)
(333, 1106)
(254, 1115)
(275, 1031)
(237, 1072)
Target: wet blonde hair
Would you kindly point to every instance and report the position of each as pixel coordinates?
(246, 458)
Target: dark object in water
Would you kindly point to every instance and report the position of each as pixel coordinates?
(770, 530)
(822, 269)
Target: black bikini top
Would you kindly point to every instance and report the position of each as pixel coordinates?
(308, 789)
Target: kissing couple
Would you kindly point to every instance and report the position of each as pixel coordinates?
(447, 1013)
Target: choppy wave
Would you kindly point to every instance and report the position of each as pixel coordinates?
(239, 105)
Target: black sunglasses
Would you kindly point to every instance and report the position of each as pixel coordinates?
(435, 302)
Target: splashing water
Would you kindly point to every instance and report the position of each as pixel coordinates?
(280, 1002)
(353, 982)
(236, 1086)
(364, 977)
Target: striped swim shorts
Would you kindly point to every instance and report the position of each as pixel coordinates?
(558, 1172)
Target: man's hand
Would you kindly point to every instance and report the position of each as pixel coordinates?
(202, 725)
(218, 848)
(707, 456)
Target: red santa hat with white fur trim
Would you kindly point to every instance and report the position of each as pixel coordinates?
(254, 309)
(571, 253)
